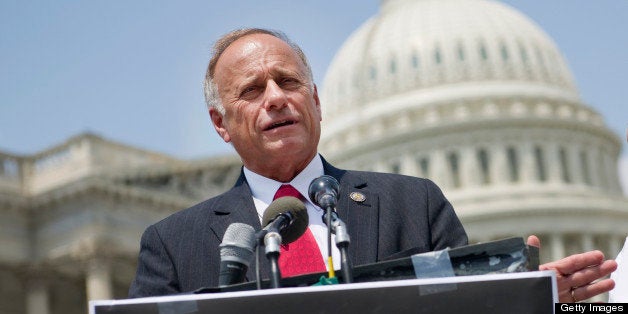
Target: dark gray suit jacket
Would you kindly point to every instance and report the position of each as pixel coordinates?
(401, 216)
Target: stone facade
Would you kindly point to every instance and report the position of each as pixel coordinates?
(71, 218)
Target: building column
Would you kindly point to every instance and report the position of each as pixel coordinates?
(594, 167)
(615, 244)
(587, 242)
(381, 166)
(440, 174)
(575, 165)
(98, 280)
(528, 167)
(37, 297)
(409, 165)
(553, 165)
(469, 168)
(611, 173)
(499, 166)
(557, 246)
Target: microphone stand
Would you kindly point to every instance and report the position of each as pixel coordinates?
(330, 262)
(339, 228)
(258, 275)
(272, 242)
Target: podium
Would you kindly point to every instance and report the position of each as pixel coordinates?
(524, 292)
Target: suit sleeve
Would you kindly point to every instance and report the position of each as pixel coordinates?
(155, 270)
(446, 228)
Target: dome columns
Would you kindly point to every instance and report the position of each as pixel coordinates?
(409, 165)
(552, 163)
(470, 168)
(499, 164)
(37, 294)
(574, 164)
(98, 279)
(439, 172)
(557, 244)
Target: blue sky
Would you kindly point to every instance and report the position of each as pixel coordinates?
(131, 71)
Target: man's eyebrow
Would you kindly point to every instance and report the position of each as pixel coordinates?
(287, 72)
(253, 78)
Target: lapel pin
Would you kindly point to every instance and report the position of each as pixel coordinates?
(358, 197)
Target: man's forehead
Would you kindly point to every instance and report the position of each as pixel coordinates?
(255, 43)
(255, 48)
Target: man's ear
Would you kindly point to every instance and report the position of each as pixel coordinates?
(219, 125)
(318, 104)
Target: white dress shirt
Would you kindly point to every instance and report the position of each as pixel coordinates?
(620, 292)
(263, 190)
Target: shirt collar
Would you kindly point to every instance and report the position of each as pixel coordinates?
(264, 188)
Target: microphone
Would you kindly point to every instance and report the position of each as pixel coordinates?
(288, 217)
(285, 220)
(236, 251)
(323, 191)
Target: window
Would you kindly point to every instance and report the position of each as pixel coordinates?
(424, 164)
(460, 52)
(452, 158)
(541, 173)
(437, 56)
(584, 163)
(504, 51)
(415, 60)
(523, 53)
(484, 166)
(483, 52)
(513, 164)
(564, 165)
(395, 167)
(393, 66)
(372, 73)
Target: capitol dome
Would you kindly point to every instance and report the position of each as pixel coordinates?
(475, 96)
(415, 45)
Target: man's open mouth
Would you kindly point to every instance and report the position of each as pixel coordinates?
(279, 124)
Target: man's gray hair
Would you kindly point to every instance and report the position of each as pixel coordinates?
(209, 87)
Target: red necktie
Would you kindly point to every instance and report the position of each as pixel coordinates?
(303, 255)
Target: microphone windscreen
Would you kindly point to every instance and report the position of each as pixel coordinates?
(238, 243)
(296, 208)
(323, 191)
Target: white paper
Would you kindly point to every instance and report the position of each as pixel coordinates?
(620, 292)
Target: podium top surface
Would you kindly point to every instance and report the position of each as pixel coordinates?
(491, 293)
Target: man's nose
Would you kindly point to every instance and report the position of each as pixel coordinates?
(275, 97)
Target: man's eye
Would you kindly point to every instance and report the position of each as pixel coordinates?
(289, 82)
(249, 92)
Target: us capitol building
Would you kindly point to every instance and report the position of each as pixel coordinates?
(469, 93)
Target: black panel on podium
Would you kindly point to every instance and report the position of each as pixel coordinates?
(527, 292)
(494, 277)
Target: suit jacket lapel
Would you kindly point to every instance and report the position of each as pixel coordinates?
(237, 205)
(361, 217)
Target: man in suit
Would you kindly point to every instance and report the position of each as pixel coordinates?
(262, 99)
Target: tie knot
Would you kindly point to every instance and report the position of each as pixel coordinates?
(287, 190)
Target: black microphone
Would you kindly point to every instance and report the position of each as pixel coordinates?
(285, 220)
(323, 191)
(236, 252)
(288, 217)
